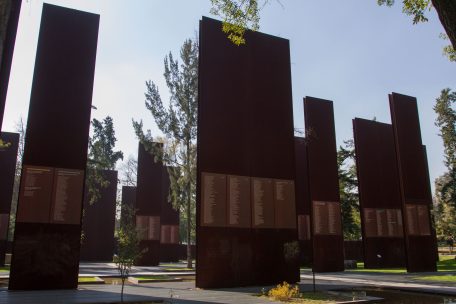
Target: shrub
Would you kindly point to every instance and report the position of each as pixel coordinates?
(284, 292)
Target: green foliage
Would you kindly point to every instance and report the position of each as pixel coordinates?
(414, 8)
(101, 156)
(4, 144)
(237, 15)
(444, 212)
(348, 185)
(128, 250)
(19, 128)
(446, 122)
(448, 50)
(445, 9)
(178, 122)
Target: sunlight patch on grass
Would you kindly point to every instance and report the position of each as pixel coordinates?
(448, 278)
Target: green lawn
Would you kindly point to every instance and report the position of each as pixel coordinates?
(178, 269)
(152, 277)
(87, 279)
(447, 278)
(446, 263)
(4, 268)
(361, 268)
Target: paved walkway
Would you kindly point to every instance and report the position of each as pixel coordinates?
(176, 292)
(390, 281)
(185, 292)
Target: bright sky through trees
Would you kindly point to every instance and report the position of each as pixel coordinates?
(353, 52)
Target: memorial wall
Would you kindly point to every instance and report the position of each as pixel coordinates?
(246, 216)
(149, 197)
(169, 237)
(327, 237)
(98, 222)
(379, 195)
(415, 189)
(8, 157)
(48, 220)
(9, 19)
(303, 207)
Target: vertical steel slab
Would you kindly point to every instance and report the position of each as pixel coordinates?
(149, 196)
(416, 203)
(379, 195)
(245, 161)
(8, 157)
(48, 220)
(169, 239)
(303, 204)
(98, 222)
(327, 237)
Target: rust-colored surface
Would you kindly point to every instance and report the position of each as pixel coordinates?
(98, 223)
(46, 255)
(246, 131)
(328, 247)
(149, 198)
(303, 207)
(379, 195)
(420, 242)
(8, 158)
(7, 50)
(169, 239)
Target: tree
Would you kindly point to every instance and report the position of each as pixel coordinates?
(239, 15)
(444, 213)
(19, 128)
(178, 122)
(446, 121)
(101, 156)
(127, 246)
(129, 171)
(348, 185)
(446, 9)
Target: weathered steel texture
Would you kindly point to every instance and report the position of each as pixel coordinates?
(169, 216)
(303, 204)
(420, 249)
(8, 157)
(328, 250)
(245, 128)
(46, 255)
(98, 222)
(10, 10)
(149, 197)
(378, 186)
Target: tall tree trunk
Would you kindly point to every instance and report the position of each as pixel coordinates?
(446, 9)
(189, 206)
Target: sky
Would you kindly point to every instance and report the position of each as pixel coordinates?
(352, 52)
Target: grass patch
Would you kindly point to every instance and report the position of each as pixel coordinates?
(87, 280)
(178, 269)
(446, 263)
(448, 278)
(360, 268)
(4, 268)
(152, 277)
